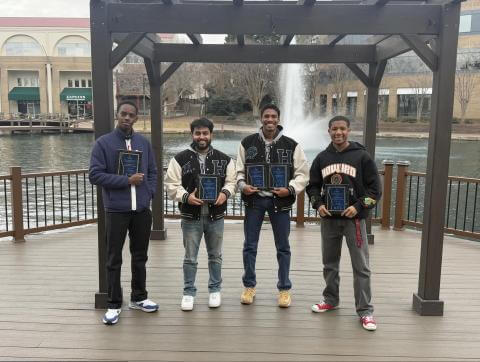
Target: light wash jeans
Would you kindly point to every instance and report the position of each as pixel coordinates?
(193, 230)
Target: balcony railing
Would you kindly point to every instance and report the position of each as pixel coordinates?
(35, 202)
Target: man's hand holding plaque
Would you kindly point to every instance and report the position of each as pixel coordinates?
(193, 199)
(136, 179)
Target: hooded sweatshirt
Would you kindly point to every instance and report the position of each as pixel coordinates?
(353, 167)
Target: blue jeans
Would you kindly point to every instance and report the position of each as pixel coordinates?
(192, 235)
(281, 230)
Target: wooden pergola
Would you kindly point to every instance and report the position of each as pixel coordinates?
(428, 27)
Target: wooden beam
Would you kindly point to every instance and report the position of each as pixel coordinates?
(124, 48)
(375, 2)
(238, 2)
(153, 71)
(426, 301)
(395, 46)
(144, 48)
(168, 72)
(285, 40)
(375, 39)
(276, 18)
(240, 39)
(225, 53)
(362, 77)
(334, 39)
(379, 70)
(196, 39)
(422, 50)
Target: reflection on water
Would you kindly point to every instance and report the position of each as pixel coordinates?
(72, 151)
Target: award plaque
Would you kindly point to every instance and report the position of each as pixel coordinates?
(128, 162)
(208, 188)
(336, 198)
(257, 176)
(278, 175)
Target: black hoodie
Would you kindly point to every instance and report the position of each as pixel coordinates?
(352, 166)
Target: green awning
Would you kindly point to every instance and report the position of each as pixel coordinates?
(76, 94)
(24, 94)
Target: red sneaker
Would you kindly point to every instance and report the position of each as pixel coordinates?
(323, 307)
(368, 323)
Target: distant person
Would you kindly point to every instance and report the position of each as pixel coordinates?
(269, 146)
(201, 217)
(345, 164)
(126, 198)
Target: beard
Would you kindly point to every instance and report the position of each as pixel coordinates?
(202, 147)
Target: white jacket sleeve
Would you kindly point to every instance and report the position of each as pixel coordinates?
(230, 179)
(240, 168)
(300, 170)
(173, 182)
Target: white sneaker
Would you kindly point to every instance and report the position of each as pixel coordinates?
(215, 300)
(111, 316)
(146, 305)
(187, 302)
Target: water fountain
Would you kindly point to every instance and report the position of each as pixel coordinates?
(309, 130)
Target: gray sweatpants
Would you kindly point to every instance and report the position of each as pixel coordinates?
(333, 231)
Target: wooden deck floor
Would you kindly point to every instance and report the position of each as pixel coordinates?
(47, 289)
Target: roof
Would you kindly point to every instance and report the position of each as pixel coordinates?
(31, 22)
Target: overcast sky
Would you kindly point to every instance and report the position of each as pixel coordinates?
(43, 8)
(60, 9)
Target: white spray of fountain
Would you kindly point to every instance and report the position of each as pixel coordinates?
(308, 130)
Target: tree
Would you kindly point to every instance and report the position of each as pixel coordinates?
(465, 82)
(338, 75)
(421, 84)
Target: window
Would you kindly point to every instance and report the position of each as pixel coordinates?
(351, 106)
(84, 83)
(89, 83)
(334, 105)
(70, 83)
(77, 83)
(408, 104)
(465, 24)
(74, 50)
(21, 45)
(19, 82)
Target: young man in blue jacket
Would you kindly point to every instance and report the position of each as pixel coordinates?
(345, 165)
(126, 198)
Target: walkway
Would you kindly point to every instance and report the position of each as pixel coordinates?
(48, 284)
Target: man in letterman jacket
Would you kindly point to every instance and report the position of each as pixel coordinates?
(348, 164)
(127, 208)
(269, 145)
(200, 218)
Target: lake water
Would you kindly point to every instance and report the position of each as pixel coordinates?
(56, 152)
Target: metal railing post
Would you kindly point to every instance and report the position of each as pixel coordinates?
(402, 167)
(387, 193)
(17, 204)
(301, 210)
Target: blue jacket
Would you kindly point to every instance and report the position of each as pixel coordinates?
(115, 188)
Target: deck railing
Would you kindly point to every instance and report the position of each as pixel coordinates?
(462, 215)
(35, 202)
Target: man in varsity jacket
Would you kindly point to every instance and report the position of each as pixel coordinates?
(269, 146)
(200, 217)
(345, 164)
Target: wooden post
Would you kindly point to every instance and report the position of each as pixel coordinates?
(387, 193)
(402, 167)
(17, 204)
(426, 301)
(300, 210)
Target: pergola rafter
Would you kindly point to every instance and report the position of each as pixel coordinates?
(428, 27)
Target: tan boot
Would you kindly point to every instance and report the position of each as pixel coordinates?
(247, 295)
(284, 299)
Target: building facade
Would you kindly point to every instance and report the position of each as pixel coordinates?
(405, 90)
(45, 66)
